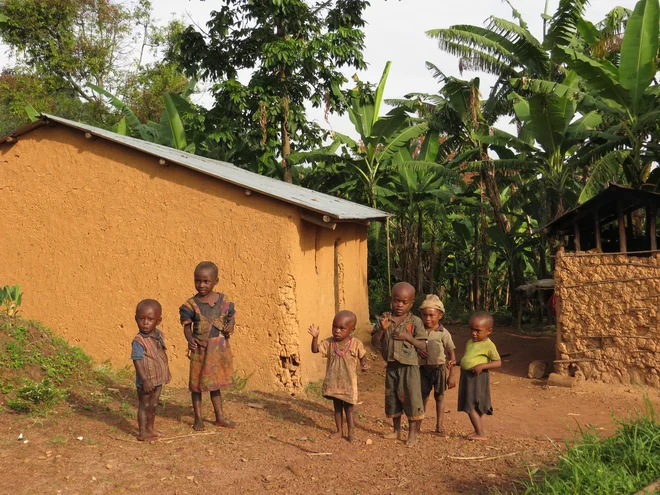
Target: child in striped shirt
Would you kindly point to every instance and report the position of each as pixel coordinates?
(151, 368)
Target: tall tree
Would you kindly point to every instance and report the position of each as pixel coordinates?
(293, 51)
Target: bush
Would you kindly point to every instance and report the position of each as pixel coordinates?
(623, 464)
(42, 395)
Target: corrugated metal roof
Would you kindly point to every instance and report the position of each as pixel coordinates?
(337, 208)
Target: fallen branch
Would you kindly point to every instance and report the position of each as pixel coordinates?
(163, 439)
(650, 489)
(319, 453)
(481, 457)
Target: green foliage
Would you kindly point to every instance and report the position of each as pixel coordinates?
(59, 46)
(624, 463)
(294, 50)
(10, 299)
(240, 382)
(314, 390)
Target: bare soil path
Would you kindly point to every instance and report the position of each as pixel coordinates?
(88, 445)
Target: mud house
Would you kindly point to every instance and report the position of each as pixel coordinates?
(607, 282)
(93, 222)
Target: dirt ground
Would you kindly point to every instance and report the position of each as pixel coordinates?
(88, 445)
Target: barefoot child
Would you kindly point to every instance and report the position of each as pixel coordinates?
(438, 361)
(151, 368)
(208, 321)
(398, 334)
(342, 352)
(474, 388)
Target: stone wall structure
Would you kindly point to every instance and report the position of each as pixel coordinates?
(607, 317)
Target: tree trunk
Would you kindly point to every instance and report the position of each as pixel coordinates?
(432, 254)
(476, 264)
(420, 253)
(286, 148)
(495, 199)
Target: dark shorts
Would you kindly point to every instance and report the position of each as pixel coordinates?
(474, 392)
(403, 391)
(433, 379)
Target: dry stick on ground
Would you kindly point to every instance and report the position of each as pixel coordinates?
(576, 360)
(162, 439)
(481, 457)
(319, 453)
(652, 488)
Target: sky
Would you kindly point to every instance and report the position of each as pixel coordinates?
(395, 32)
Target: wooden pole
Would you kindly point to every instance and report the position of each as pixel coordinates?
(597, 231)
(651, 215)
(387, 234)
(622, 228)
(576, 236)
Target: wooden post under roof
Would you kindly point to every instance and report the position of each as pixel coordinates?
(597, 231)
(651, 216)
(576, 236)
(622, 228)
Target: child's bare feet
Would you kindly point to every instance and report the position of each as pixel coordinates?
(396, 435)
(411, 441)
(144, 437)
(225, 423)
(155, 433)
(479, 438)
(351, 437)
(199, 425)
(439, 430)
(337, 434)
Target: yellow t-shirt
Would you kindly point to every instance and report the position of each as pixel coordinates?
(479, 353)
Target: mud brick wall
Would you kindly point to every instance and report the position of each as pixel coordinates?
(607, 317)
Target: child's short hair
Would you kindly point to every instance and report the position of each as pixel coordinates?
(207, 265)
(149, 302)
(484, 316)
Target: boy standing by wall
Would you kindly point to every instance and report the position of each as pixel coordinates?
(398, 335)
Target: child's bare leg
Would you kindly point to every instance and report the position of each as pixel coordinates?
(440, 414)
(338, 405)
(350, 420)
(151, 412)
(396, 422)
(220, 420)
(142, 416)
(426, 401)
(477, 423)
(413, 428)
(197, 409)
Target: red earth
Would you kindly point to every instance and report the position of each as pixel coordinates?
(87, 444)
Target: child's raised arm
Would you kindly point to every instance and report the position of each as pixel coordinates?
(314, 332)
(383, 324)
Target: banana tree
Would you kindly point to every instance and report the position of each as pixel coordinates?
(627, 96)
(170, 131)
(361, 165)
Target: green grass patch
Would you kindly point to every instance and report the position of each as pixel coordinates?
(38, 369)
(314, 390)
(623, 464)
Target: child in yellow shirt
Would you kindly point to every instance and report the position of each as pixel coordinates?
(474, 387)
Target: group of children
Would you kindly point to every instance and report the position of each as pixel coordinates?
(420, 357)
(419, 353)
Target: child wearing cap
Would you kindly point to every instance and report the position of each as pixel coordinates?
(438, 360)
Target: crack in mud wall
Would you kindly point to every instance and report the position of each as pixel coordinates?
(608, 319)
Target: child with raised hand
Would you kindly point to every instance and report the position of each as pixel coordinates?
(151, 366)
(208, 320)
(438, 360)
(342, 352)
(398, 335)
(474, 387)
